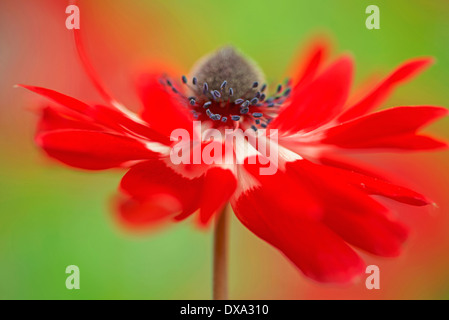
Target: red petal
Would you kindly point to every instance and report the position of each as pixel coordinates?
(391, 128)
(106, 116)
(309, 65)
(286, 199)
(318, 102)
(219, 185)
(89, 69)
(351, 213)
(329, 188)
(60, 98)
(333, 159)
(54, 119)
(162, 109)
(92, 150)
(408, 142)
(403, 73)
(313, 248)
(150, 212)
(371, 232)
(122, 123)
(372, 183)
(153, 177)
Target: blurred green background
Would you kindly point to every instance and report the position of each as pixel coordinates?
(52, 216)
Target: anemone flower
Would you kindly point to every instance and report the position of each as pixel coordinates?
(316, 207)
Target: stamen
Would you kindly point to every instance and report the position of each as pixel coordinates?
(226, 69)
(229, 85)
(254, 101)
(216, 93)
(223, 85)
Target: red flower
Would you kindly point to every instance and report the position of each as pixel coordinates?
(313, 209)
